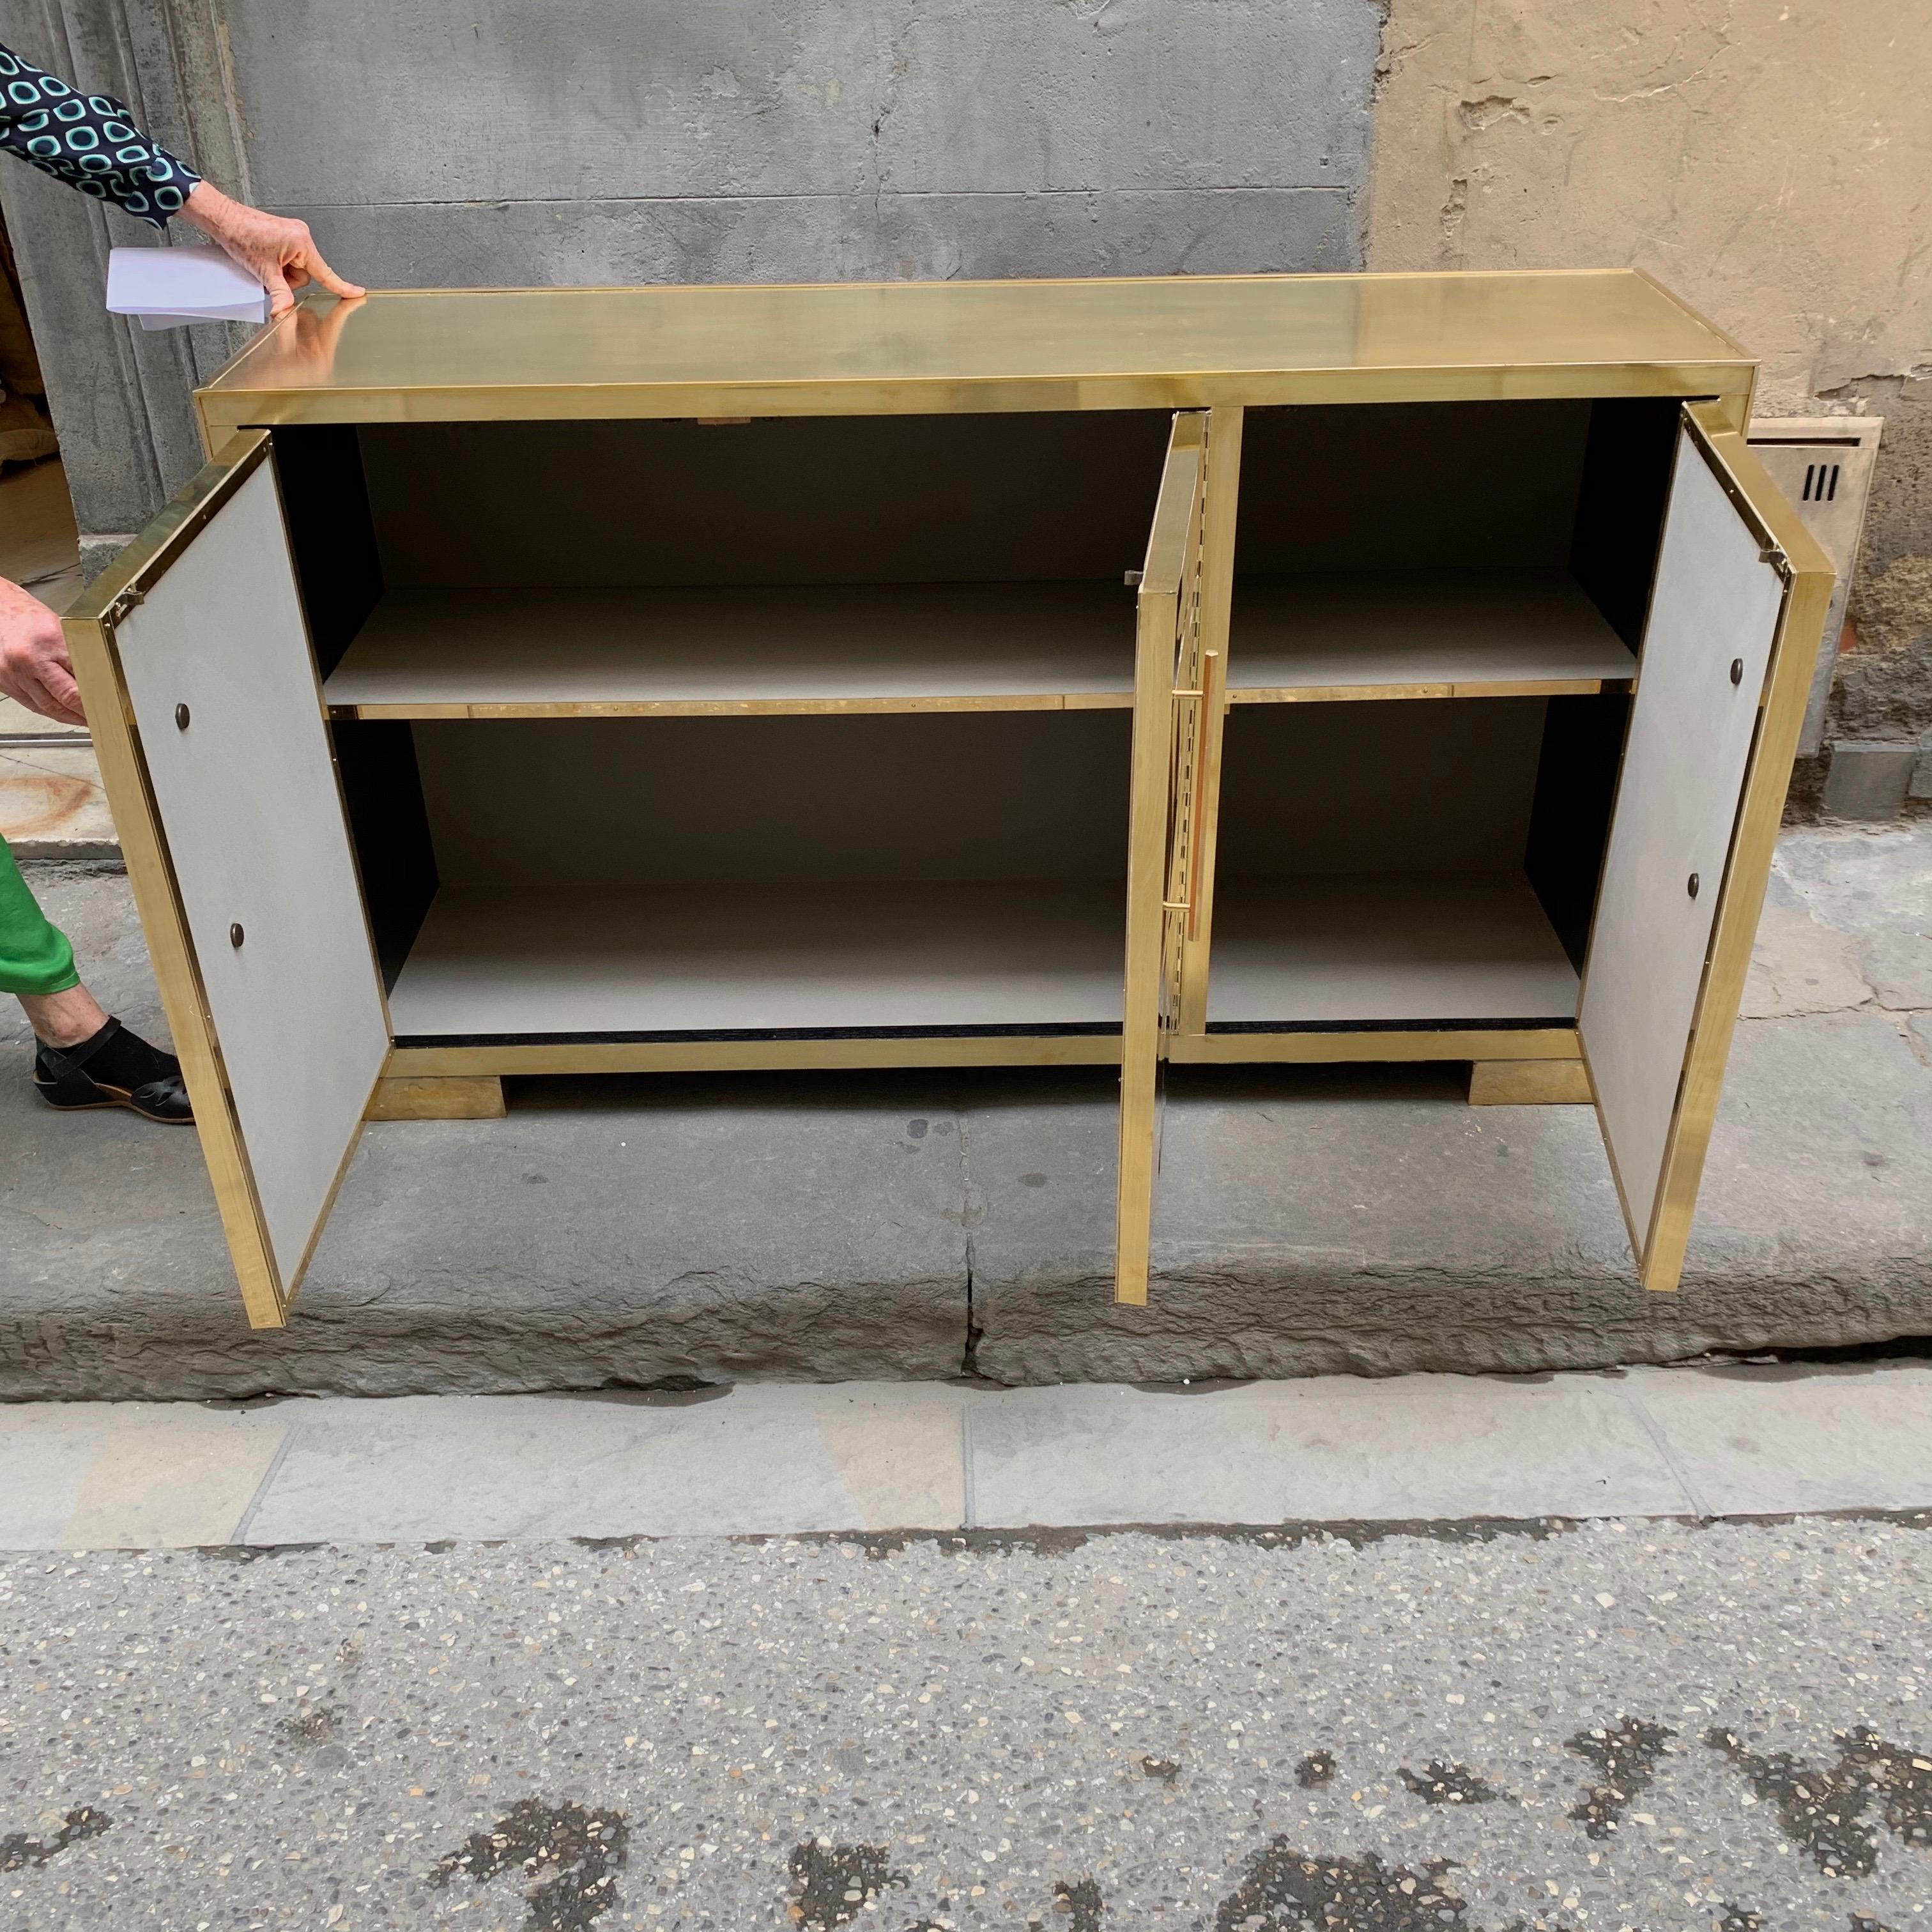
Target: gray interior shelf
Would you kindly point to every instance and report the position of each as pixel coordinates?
(1420, 633)
(789, 958)
(672, 651)
(1368, 949)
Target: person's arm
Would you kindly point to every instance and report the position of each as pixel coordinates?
(90, 142)
(34, 666)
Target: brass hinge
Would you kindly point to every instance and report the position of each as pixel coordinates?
(124, 602)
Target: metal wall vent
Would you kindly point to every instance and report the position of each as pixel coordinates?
(1821, 483)
(1824, 465)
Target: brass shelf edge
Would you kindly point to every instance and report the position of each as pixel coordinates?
(1346, 693)
(750, 707)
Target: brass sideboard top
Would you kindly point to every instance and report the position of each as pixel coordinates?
(1166, 342)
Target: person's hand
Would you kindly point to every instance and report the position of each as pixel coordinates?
(34, 668)
(280, 254)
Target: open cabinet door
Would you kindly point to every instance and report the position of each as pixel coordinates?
(1161, 830)
(194, 664)
(1735, 616)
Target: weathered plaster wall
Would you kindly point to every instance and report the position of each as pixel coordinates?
(601, 141)
(1884, 693)
(1771, 159)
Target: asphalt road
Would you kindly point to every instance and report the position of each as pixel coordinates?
(1643, 1725)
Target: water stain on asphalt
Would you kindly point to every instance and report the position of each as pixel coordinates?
(311, 1727)
(18, 1851)
(1285, 1888)
(1038, 1541)
(834, 1883)
(1819, 1810)
(1442, 1784)
(1823, 1810)
(573, 1855)
(1902, 1776)
(252, 1552)
(1315, 1770)
(1626, 1754)
(1080, 1899)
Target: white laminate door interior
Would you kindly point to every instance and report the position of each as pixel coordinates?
(1714, 618)
(223, 688)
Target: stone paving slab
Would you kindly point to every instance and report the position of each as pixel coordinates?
(758, 1460)
(1326, 1449)
(1757, 1440)
(1877, 888)
(1366, 1220)
(764, 1459)
(1312, 1221)
(51, 804)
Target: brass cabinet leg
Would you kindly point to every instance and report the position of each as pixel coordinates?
(1528, 1083)
(1133, 1233)
(468, 1096)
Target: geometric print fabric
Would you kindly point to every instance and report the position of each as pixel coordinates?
(89, 141)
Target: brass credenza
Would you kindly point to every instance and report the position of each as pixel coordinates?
(1285, 668)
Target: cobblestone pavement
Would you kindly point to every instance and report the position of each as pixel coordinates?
(1634, 1724)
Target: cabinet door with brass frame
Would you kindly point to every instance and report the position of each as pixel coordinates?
(1736, 613)
(194, 663)
(1167, 726)
(1220, 490)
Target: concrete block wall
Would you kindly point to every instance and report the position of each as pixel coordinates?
(118, 394)
(558, 142)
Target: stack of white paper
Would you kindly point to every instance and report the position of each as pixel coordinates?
(168, 286)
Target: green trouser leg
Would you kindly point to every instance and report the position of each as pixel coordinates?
(34, 956)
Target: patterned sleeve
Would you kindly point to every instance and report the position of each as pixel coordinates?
(89, 141)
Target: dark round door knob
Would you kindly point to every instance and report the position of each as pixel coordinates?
(1737, 670)
(180, 717)
(236, 935)
(1690, 886)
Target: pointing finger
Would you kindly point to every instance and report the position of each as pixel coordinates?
(327, 276)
